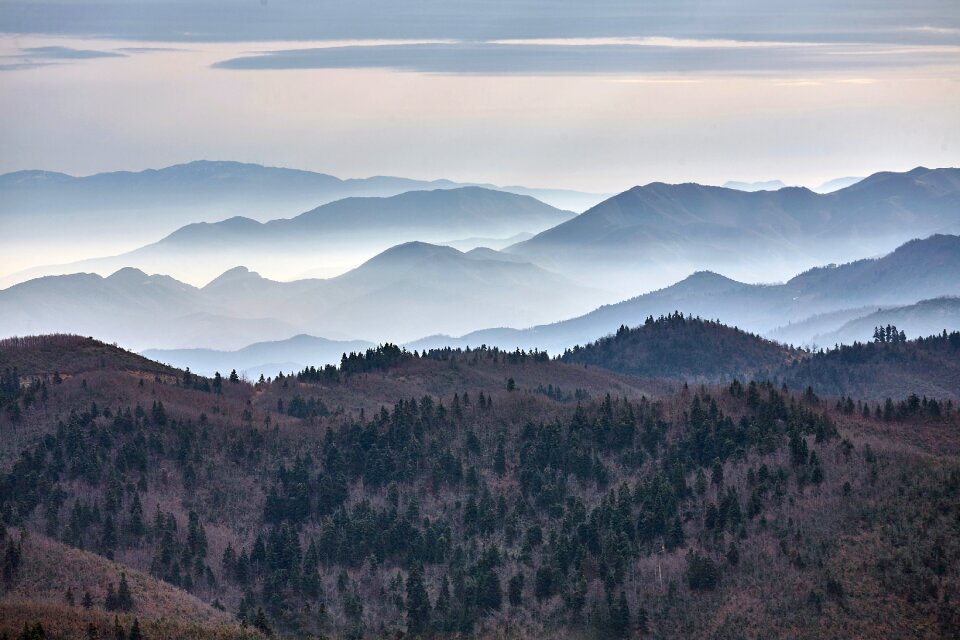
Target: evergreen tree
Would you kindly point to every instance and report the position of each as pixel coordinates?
(119, 633)
(716, 474)
(675, 537)
(124, 597)
(418, 603)
(260, 622)
(196, 536)
(643, 620)
(620, 617)
(110, 601)
(108, 537)
(515, 590)
(442, 609)
(135, 525)
(500, 459)
(702, 572)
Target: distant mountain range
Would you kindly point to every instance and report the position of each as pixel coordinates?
(836, 184)
(417, 288)
(659, 232)
(918, 270)
(768, 185)
(639, 240)
(223, 188)
(821, 307)
(773, 185)
(338, 234)
(409, 290)
(106, 213)
(265, 358)
(924, 318)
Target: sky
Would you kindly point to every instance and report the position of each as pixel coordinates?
(596, 96)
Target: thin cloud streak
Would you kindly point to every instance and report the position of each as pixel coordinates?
(613, 56)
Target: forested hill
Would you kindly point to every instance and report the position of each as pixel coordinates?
(68, 354)
(683, 347)
(474, 492)
(878, 370)
(678, 347)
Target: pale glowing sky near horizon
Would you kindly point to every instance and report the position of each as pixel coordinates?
(587, 109)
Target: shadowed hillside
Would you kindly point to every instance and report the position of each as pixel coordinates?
(48, 214)
(681, 347)
(399, 294)
(483, 492)
(675, 228)
(330, 238)
(827, 297)
(55, 580)
(70, 354)
(925, 366)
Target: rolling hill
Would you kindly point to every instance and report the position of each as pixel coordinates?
(661, 230)
(222, 188)
(927, 317)
(477, 492)
(408, 289)
(683, 348)
(333, 237)
(265, 358)
(928, 367)
(109, 213)
(917, 270)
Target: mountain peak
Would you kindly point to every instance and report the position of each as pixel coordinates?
(706, 277)
(128, 275)
(412, 251)
(234, 275)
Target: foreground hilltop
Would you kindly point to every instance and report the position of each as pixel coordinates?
(70, 354)
(678, 347)
(478, 492)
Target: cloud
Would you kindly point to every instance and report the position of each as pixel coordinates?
(67, 53)
(287, 20)
(21, 66)
(148, 49)
(603, 56)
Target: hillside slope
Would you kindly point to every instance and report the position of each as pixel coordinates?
(332, 237)
(684, 348)
(489, 492)
(70, 354)
(924, 318)
(664, 230)
(926, 366)
(917, 270)
(48, 569)
(83, 217)
(265, 358)
(397, 295)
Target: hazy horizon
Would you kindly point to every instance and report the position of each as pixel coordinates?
(597, 98)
